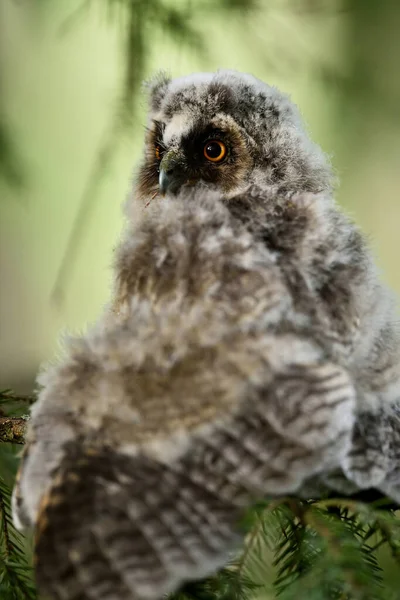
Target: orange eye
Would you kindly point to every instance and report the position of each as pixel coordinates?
(214, 150)
(158, 152)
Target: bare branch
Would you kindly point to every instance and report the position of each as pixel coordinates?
(12, 429)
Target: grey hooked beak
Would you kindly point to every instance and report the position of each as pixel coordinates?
(163, 182)
(172, 172)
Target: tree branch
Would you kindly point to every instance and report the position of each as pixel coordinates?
(12, 429)
(9, 396)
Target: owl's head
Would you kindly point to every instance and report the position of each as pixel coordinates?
(226, 131)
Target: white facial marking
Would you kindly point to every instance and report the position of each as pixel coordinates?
(180, 124)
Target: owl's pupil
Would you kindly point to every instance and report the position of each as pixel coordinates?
(213, 150)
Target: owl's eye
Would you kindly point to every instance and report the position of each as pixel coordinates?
(214, 150)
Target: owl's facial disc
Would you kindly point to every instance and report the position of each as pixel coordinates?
(264, 140)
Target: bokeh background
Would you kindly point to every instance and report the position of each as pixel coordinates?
(71, 130)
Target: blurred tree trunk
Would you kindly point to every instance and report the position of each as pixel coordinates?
(371, 94)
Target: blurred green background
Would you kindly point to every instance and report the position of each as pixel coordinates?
(71, 131)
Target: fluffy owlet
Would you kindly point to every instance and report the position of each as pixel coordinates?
(250, 350)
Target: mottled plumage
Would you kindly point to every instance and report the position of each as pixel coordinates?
(249, 350)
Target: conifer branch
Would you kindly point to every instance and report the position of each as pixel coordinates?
(16, 581)
(9, 396)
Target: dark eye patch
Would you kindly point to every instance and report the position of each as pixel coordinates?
(193, 142)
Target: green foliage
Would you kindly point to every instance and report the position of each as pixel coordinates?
(325, 554)
(320, 551)
(228, 584)
(14, 405)
(15, 571)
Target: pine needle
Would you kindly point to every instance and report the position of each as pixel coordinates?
(15, 571)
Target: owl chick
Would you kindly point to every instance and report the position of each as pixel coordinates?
(250, 351)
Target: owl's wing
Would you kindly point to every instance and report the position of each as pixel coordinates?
(118, 526)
